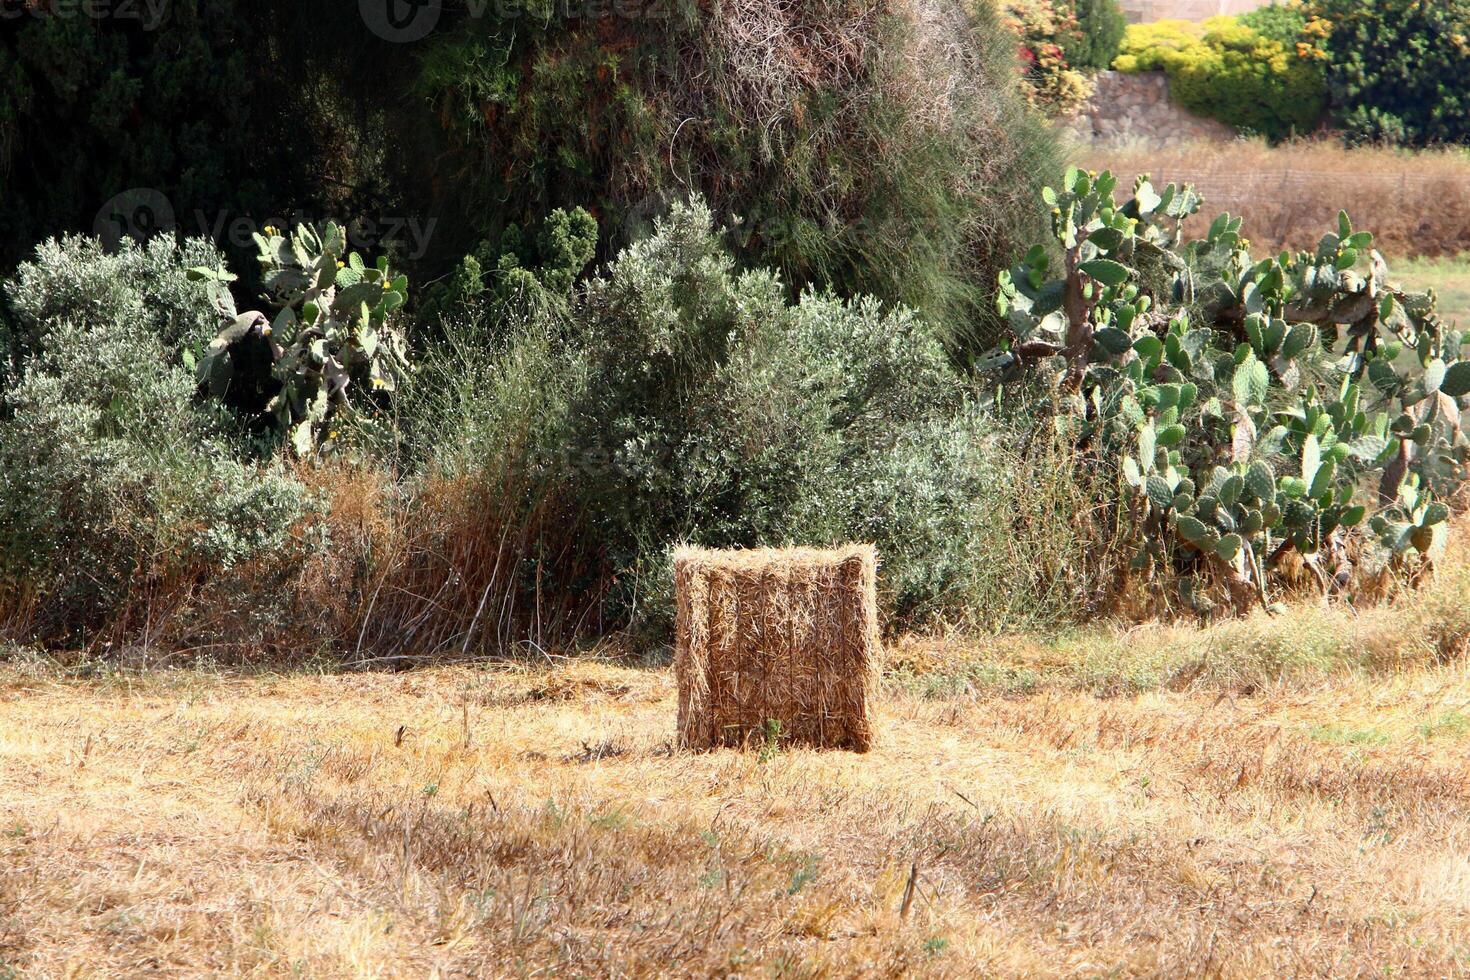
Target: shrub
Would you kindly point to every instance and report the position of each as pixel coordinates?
(522, 273)
(1230, 72)
(1250, 82)
(1299, 408)
(1282, 22)
(79, 279)
(114, 482)
(851, 147)
(485, 545)
(1098, 35)
(857, 143)
(1397, 68)
(727, 417)
(676, 398)
(1147, 47)
(838, 422)
(1044, 27)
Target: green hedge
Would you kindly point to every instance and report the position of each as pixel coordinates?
(1398, 70)
(1099, 34)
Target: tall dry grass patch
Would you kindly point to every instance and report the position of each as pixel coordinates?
(461, 566)
(378, 574)
(483, 570)
(1416, 203)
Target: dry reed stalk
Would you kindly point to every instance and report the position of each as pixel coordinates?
(777, 635)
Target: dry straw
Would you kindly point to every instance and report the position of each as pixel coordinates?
(777, 635)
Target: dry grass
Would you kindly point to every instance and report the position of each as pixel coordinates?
(380, 575)
(1266, 797)
(1448, 276)
(1416, 203)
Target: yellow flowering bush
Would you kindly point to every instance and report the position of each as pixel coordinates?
(1228, 70)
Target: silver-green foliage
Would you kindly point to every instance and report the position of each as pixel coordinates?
(113, 477)
(1292, 403)
(712, 408)
(77, 278)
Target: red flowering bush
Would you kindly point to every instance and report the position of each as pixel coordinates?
(1052, 85)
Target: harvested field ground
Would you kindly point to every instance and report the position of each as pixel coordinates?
(1416, 203)
(1450, 277)
(1269, 797)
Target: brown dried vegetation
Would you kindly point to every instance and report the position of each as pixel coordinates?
(1415, 203)
(1262, 797)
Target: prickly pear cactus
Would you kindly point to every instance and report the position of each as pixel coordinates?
(1296, 403)
(332, 330)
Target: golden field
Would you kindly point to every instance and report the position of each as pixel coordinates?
(1417, 203)
(1280, 796)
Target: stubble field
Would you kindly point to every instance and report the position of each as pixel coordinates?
(1280, 797)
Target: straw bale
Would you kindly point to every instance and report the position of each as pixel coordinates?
(788, 634)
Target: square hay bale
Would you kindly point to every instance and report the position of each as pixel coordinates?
(789, 634)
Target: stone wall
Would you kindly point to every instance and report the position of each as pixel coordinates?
(1143, 11)
(1137, 107)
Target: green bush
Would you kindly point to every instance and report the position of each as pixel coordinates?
(682, 399)
(727, 416)
(1250, 82)
(79, 279)
(1397, 68)
(1225, 70)
(861, 158)
(520, 273)
(1098, 36)
(1281, 22)
(114, 479)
